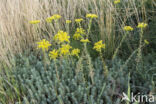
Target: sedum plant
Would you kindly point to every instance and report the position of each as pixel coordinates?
(44, 87)
(64, 74)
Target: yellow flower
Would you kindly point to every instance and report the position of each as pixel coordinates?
(84, 40)
(116, 1)
(80, 31)
(75, 52)
(43, 44)
(146, 41)
(78, 20)
(91, 16)
(128, 28)
(34, 22)
(54, 17)
(99, 45)
(77, 36)
(142, 25)
(53, 54)
(49, 19)
(68, 21)
(65, 50)
(61, 37)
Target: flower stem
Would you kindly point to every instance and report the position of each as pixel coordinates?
(104, 65)
(139, 56)
(91, 70)
(44, 60)
(89, 27)
(117, 49)
(56, 69)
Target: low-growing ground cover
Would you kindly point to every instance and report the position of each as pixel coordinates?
(105, 57)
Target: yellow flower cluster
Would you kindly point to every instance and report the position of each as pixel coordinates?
(142, 25)
(49, 19)
(116, 1)
(63, 47)
(54, 17)
(65, 50)
(68, 21)
(77, 35)
(128, 28)
(78, 20)
(43, 44)
(84, 41)
(75, 52)
(61, 37)
(146, 41)
(80, 31)
(34, 22)
(53, 54)
(99, 45)
(91, 16)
